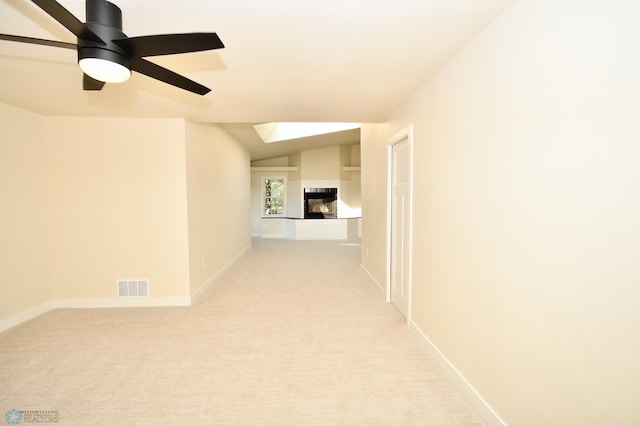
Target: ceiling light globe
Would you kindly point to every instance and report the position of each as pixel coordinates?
(104, 70)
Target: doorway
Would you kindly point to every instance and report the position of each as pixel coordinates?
(399, 221)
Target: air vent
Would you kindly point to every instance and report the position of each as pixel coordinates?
(133, 288)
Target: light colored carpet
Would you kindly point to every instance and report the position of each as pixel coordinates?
(295, 333)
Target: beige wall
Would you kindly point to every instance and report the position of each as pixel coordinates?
(344, 161)
(24, 264)
(374, 201)
(321, 163)
(117, 196)
(218, 189)
(526, 238)
(88, 201)
(271, 162)
(295, 160)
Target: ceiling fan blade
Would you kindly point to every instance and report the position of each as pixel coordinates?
(89, 83)
(67, 19)
(160, 73)
(41, 41)
(169, 44)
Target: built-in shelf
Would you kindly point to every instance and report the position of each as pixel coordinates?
(351, 168)
(275, 169)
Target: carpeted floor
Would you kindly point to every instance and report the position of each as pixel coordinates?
(294, 333)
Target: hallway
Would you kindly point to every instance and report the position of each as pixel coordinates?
(294, 333)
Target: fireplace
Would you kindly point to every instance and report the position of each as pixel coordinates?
(320, 203)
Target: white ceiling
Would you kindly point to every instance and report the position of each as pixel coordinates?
(284, 60)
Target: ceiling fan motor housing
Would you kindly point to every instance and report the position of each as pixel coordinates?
(107, 55)
(105, 20)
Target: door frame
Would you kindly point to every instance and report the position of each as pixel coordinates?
(406, 133)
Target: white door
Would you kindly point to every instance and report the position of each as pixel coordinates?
(400, 226)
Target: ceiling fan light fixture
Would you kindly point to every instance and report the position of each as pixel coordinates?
(107, 55)
(105, 70)
(103, 64)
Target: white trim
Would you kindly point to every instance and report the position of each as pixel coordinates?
(51, 305)
(275, 236)
(406, 133)
(25, 316)
(484, 409)
(274, 168)
(211, 281)
(134, 302)
(388, 236)
(378, 286)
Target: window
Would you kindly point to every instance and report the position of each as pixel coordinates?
(273, 189)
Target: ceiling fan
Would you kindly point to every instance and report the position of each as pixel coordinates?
(107, 55)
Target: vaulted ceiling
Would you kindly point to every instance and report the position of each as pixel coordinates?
(284, 60)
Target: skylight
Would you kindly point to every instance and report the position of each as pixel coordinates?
(277, 132)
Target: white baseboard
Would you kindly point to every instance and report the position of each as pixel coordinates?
(211, 281)
(378, 287)
(271, 236)
(25, 316)
(483, 408)
(137, 302)
(140, 302)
